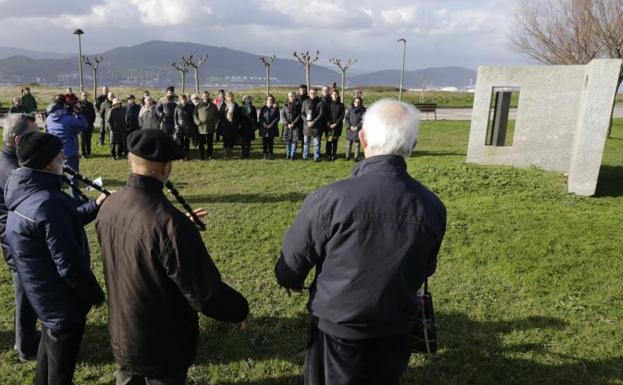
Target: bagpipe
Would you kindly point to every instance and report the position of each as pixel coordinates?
(168, 185)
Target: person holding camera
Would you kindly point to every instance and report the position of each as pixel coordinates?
(67, 125)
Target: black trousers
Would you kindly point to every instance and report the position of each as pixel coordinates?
(102, 131)
(58, 352)
(116, 150)
(335, 361)
(126, 378)
(85, 141)
(203, 140)
(268, 143)
(26, 334)
(185, 143)
(246, 148)
(332, 147)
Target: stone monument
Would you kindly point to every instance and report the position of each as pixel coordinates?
(562, 119)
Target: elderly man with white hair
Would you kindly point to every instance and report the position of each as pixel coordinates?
(26, 334)
(373, 239)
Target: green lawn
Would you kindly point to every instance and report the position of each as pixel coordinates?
(528, 289)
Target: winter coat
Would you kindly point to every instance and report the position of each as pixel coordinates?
(99, 101)
(292, 115)
(354, 119)
(116, 125)
(166, 112)
(104, 108)
(373, 240)
(313, 112)
(148, 118)
(248, 122)
(66, 126)
(88, 111)
(268, 121)
(45, 232)
(131, 117)
(29, 102)
(335, 115)
(326, 103)
(159, 275)
(8, 163)
(206, 117)
(184, 121)
(229, 130)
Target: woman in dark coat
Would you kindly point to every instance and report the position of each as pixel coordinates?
(354, 121)
(292, 124)
(229, 125)
(116, 123)
(269, 118)
(248, 125)
(335, 118)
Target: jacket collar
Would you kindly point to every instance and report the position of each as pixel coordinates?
(395, 163)
(9, 151)
(145, 183)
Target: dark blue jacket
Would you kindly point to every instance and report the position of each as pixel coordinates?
(373, 239)
(269, 118)
(45, 232)
(66, 126)
(8, 163)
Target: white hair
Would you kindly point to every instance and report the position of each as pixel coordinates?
(12, 126)
(391, 127)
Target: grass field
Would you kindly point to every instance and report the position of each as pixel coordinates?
(528, 289)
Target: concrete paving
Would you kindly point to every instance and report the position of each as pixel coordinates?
(466, 113)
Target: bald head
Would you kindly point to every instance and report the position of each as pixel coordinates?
(390, 127)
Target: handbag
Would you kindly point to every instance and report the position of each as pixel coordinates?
(424, 332)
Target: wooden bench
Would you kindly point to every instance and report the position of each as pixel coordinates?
(427, 108)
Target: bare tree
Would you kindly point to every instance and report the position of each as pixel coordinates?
(569, 31)
(307, 60)
(182, 68)
(93, 64)
(188, 61)
(267, 61)
(343, 68)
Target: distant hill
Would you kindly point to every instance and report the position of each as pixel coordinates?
(432, 77)
(149, 64)
(6, 52)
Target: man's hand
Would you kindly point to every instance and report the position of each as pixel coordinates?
(100, 199)
(244, 325)
(200, 212)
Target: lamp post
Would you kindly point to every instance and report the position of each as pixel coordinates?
(402, 72)
(79, 32)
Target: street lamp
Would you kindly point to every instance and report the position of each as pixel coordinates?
(402, 73)
(79, 32)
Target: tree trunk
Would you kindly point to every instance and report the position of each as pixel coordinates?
(94, 84)
(307, 79)
(343, 83)
(197, 81)
(183, 82)
(267, 81)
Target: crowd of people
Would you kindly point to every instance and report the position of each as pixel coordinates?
(373, 238)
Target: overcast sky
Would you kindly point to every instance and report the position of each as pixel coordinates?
(438, 33)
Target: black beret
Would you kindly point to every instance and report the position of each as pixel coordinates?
(37, 149)
(154, 145)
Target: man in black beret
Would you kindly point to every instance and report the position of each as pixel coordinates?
(46, 237)
(153, 252)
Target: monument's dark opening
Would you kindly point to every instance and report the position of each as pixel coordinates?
(500, 129)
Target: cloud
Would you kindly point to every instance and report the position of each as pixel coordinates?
(439, 32)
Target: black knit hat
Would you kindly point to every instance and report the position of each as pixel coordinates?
(154, 145)
(37, 149)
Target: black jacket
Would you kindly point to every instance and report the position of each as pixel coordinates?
(8, 163)
(269, 119)
(373, 238)
(184, 120)
(292, 115)
(100, 100)
(166, 112)
(229, 129)
(313, 112)
(159, 275)
(354, 119)
(131, 117)
(116, 124)
(335, 115)
(248, 122)
(88, 111)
